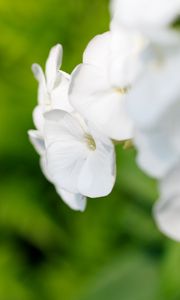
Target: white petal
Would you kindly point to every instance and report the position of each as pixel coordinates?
(65, 161)
(66, 151)
(59, 95)
(62, 126)
(62, 78)
(39, 75)
(167, 209)
(159, 147)
(156, 154)
(38, 118)
(169, 185)
(163, 37)
(53, 64)
(143, 14)
(167, 216)
(74, 201)
(156, 91)
(126, 63)
(97, 51)
(37, 141)
(97, 176)
(93, 97)
(44, 168)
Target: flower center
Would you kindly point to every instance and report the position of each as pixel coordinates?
(122, 90)
(90, 142)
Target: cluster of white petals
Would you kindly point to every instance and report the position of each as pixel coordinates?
(95, 96)
(74, 154)
(126, 88)
(153, 103)
(145, 15)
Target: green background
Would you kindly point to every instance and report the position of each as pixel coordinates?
(113, 250)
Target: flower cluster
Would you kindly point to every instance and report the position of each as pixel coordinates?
(126, 89)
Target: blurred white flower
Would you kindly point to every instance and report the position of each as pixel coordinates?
(93, 94)
(151, 66)
(145, 15)
(53, 86)
(79, 159)
(74, 201)
(154, 106)
(167, 209)
(153, 103)
(126, 55)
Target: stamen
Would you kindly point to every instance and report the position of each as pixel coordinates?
(90, 142)
(122, 90)
(128, 144)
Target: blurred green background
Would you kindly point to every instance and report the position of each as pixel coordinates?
(112, 251)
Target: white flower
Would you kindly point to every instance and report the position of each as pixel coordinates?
(93, 94)
(52, 94)
(154, 106)
(153, 103)
(126, 55)
(53, 86)
(79, 159)
(167, 209)
(145, 15)
(74, 201)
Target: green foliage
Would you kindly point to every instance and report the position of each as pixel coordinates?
(130, 276)
(113, 250)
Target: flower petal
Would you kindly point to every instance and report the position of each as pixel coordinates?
(92, 96)
(66, 151)
(59, 95)
(38, 118)
(37, 141)
(65, 160)
(156, 154)
(166, 213)
(39, 75)
(44, 168)
(53, 64)
(62, 126)
(126, 63)
(147, 102)
(143, 14)
(94, 55)
(167, 209)
(75, 201)
(97, 176)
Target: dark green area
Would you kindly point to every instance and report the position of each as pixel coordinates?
(176, 23)
(112, 251)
